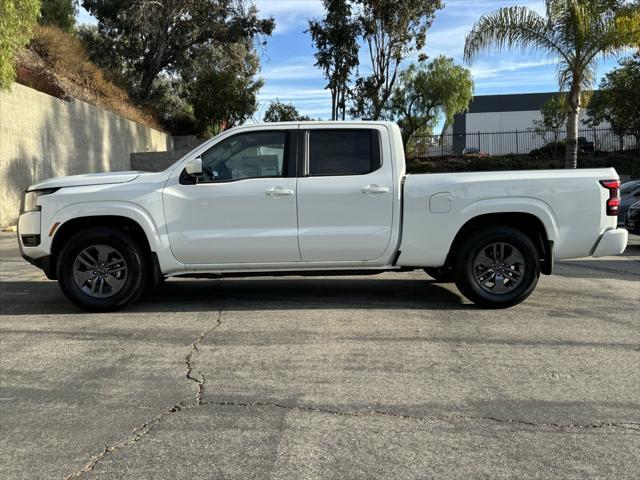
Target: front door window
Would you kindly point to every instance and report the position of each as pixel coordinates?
(248, 155)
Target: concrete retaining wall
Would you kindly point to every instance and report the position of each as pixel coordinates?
(158, 161)
(155, 161)
(42, 136)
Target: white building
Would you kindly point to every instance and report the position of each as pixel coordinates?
(503, 124)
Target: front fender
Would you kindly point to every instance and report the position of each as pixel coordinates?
(156, 235)
(113, 209)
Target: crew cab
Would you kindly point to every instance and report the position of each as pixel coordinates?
(313, 198)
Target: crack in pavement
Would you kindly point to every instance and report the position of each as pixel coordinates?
(192, 374)
(625, 425)
(139, 432)
(133, 437)
(200, 380)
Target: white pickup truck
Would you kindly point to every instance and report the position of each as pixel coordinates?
(321, 198)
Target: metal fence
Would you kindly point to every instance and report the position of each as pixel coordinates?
(515, 143)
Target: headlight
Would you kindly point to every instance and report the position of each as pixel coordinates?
(30, 199)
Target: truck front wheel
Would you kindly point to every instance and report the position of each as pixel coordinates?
(497, 267)
(101, 269)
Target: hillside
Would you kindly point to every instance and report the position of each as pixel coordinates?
(56, 63)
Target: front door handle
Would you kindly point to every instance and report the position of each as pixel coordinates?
(374, 189)
(278, 192)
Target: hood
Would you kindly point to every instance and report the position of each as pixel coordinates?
(87, 179)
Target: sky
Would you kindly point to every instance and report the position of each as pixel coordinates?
(289, 75)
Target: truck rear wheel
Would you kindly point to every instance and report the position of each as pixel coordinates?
(101, 269)
(498, 267)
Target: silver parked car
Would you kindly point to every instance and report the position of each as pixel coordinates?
(632, 222)
(629, 194)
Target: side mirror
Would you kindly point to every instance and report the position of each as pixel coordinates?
(194, 167)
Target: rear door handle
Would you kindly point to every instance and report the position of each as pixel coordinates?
(375, 189)
(278, 192)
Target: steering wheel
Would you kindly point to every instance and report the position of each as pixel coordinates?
(207, 173)
(216, 172)
(223, 172)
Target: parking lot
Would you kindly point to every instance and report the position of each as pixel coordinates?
(390, 376)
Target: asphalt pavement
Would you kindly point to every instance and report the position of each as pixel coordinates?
(388, 376)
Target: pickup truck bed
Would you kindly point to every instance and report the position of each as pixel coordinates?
(569, 205)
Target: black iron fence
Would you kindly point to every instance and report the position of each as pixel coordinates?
(549, 143)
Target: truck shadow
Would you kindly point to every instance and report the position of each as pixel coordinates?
(334, 293)
(625, 267)
(32, 298)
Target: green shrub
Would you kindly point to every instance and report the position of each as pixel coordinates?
(627, 163)
(624, 163)
(550, 150)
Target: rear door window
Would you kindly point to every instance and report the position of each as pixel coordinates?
(343, 152)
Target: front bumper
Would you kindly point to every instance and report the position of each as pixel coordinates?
(612, 242)
(43, 263)
(31, 250)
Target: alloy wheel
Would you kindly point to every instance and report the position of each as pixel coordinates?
(100, 271)
(499, 268)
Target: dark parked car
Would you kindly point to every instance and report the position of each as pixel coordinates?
(629, 194)
(585, 146)
(633, 219)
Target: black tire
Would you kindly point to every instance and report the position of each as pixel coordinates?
(130, 285)
(470, 273)
(440, 274)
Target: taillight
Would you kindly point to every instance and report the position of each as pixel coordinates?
(613, 202)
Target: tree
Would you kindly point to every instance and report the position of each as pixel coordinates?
(17, 19)
(170, 101)
(103, 54)
(149, 36)
(392, 31)
(629, 21)
(283, 112)
(425, 93)
(222, 85)
(618, 99)
(555, 113)
(335, 39)
(59, 13)
(576, 33)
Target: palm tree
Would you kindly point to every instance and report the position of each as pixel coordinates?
(575, 32)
